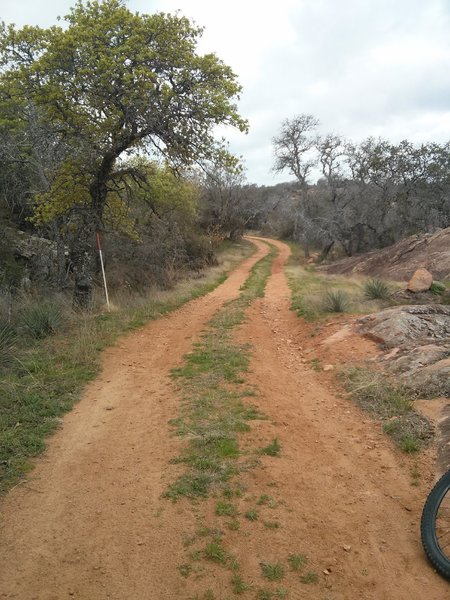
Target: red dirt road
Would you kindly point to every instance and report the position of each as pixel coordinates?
(90, 522)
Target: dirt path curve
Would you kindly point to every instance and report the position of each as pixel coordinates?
(90, 524)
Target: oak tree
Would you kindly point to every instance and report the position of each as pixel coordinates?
(111, 82)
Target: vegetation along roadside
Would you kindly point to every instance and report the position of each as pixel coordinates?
(49, 353)
(316, 297)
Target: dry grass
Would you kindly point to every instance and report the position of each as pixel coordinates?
(390, 402)
(312, 290)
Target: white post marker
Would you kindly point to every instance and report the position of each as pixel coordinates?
(103, 270)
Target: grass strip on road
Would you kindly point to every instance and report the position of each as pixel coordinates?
(213, 412)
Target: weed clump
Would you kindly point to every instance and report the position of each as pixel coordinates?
(226, 509)
(376, 289)
(42, 320)
(309, 577)
(297, 561)
(272, 572)
(273, 449)
(239, 586)
(438, 288)
(252, 515)
(215, 552)
(391, 403)
(336, 301)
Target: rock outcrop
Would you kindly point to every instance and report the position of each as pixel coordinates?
(418, 340)
(399, 261)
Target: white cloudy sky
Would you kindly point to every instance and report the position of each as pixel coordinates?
(363, 67)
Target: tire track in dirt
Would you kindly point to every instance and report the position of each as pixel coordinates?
(89, 522)
(349, 503)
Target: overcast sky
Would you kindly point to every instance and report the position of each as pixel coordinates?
(362, 67)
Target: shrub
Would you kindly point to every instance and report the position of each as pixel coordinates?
(376, 289)
(437, 288)
(42, 320)
(335, 301)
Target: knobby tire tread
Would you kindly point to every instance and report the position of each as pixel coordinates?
(436, 556)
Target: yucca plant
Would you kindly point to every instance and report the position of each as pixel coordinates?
(376, 289)
(42, 320)
(335, 301)
(7, 339)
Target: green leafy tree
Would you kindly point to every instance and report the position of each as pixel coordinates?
(112, 82)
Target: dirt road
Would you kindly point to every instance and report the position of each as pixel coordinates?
(90, 522)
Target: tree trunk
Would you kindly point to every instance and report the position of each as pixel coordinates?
(325, 251)
(61, 271)
(84, 247)
(83, 259)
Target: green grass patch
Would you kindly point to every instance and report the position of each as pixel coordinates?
(263, 499)
(273, 449)
(265, 594)
(185, 570)
(215, 552)
(271, 524)
(226, 509)
(238, 585)
(315, 294)
(297, 561)
(309, 577)
(251, 514)
(233, 525)
(214, 412)
(272, 572)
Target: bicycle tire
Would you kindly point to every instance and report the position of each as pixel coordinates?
(438, 555)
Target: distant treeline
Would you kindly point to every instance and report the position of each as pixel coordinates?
(369, 194)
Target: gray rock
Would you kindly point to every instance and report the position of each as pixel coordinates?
(407, 325)
(410, 361)
(39, 256)
(431, 381)
(420, 337)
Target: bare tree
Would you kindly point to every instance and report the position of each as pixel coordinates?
(294, 145)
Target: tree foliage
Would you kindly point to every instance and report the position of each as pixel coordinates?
(109, 83)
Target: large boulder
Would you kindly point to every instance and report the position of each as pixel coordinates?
(420, 281)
